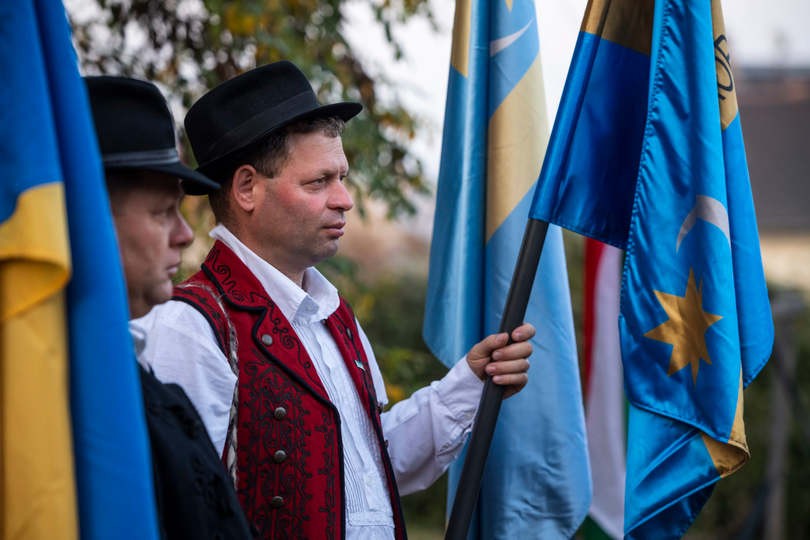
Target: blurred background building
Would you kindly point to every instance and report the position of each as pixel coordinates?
(775, 110)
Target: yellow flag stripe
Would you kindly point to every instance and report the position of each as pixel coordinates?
(726, 91)
(460, 50)
(625, 22)
(518, 135)
(37, 490)
(729, 456)
(34, 249)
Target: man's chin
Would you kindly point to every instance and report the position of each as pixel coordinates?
(162, 294)
(326, 251)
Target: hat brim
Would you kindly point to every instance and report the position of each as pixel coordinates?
(193, 182)
(345, 111)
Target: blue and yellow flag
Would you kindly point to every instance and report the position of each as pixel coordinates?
(536, 482)
(647, 154)
(75, 457)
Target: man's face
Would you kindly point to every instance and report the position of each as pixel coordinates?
(299, 215)
(151, 233)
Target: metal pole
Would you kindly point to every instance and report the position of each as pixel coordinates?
(490, 405)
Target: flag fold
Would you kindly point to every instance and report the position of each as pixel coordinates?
(665, 178)
(75, 454)
(536, 481)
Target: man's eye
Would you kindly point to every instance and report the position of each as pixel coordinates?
(165, 211)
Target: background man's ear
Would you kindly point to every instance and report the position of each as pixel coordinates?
(243, 187)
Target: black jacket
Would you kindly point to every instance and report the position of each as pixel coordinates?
(195, 496)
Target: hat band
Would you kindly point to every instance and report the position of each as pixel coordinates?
(262, 123)
(142, 158)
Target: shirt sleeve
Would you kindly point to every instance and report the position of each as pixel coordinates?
(427, 431)
(181, 348)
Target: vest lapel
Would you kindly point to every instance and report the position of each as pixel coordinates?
(273, 334)
(348, 342)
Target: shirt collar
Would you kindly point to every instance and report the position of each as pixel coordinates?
(138, 335)
(316, 301)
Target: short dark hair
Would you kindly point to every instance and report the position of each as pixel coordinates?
(120, 182)
(268, 156)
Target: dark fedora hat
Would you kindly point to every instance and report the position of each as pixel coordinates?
(135, 130)
(248, 107)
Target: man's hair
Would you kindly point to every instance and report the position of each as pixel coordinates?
(268, 156)
(120, 182)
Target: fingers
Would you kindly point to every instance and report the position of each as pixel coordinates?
(510, 364)
(490, 344)
(484, 348)
(505, 362)
(508, 371)
(511, 374)
(523, 332)
(512, 351)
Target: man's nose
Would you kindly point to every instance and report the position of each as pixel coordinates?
(341, 199)
(182, 235)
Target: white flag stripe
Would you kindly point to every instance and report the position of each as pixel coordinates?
(605, 403)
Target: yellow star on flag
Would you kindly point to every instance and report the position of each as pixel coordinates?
(686, 327)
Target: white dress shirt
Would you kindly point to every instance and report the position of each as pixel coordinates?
(424, 432)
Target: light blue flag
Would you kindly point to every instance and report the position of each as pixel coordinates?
(695, 319)
(48, 126)
(536, 483)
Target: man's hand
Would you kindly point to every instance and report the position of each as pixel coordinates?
(506, 364)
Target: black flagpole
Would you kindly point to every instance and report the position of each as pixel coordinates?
(513, 315)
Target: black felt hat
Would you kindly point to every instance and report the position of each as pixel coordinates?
(244, 109)
(135, 130)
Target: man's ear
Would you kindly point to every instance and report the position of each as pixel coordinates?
(243, 187)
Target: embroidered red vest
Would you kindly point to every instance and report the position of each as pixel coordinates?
(289, 457)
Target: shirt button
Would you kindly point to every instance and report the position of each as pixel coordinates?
(279, 456)
(267, 339)
(280, 413)
(277, 501)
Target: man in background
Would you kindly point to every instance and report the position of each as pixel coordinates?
(145, 182)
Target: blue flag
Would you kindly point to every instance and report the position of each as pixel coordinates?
(53, 192)
(647, 154)
(536, 481)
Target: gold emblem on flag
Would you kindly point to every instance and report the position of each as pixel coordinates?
(686, 328)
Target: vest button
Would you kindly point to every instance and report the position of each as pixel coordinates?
(277, 502)
(280, 413)
(349, 333)
(279, 456)
(267, 339)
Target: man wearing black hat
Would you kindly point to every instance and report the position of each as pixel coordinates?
(275, 360)
(135, 130)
